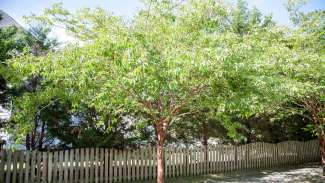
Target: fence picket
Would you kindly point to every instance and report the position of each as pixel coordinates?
(140, 169)
(8, 167)
(197, 162)
(227, 158)
(180, 161)
(44, 166)
(71, 164)
(60, 167)
(174, 154)
(144, 163)
(200, 160)
(21, 167)
(124, 171)
(171, 161)
(175, 160)
(132, 167)
(186, 161)
(110, 178)
(129, 165)
(101, 165)
(217, 166)
(216, 160)
(220, 157)
(154, 157)
(14, 166)
(32, 166)
(229, 161)
(55, 166)
(202, 151)
(2, 165)
(86, 165)
(82, 165)
(77, 165)
(109, 165)
(150, 163)
(260, 156)
(49, 167)
(167, 168)
(95, 164)
(106, 169)
(120, 166)
(114, 164)
(65, 165)
(193, 161)
(91, 165)
(38, 166)
(266, 152)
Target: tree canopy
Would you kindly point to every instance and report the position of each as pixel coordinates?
(172, 59)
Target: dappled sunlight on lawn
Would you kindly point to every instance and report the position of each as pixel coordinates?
(307, 174)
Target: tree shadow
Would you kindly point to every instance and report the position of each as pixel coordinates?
(308, 174)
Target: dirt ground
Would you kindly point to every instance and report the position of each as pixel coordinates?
(310, 173)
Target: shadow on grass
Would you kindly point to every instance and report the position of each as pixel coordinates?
(308, 174)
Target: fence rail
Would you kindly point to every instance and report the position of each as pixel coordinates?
(111, 165)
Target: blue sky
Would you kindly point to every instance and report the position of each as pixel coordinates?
(127, 8)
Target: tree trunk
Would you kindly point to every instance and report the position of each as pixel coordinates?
(321, 139)
(33, 140)
(161, 131)
(160, 160)
(40, 142)
(34, 131)
(27, 142)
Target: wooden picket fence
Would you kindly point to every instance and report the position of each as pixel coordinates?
(111, 165)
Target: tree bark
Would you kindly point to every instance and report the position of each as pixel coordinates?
(40, 142)
(34, 132)
(161, 131)
(321, 139)
(33, 140)
(160, 160)
(27, 142)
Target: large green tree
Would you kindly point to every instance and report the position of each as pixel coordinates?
(174, 58)
(14, 41)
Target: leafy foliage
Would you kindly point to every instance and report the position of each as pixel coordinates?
(172, 55)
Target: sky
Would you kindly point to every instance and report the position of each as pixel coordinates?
(127, 8)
